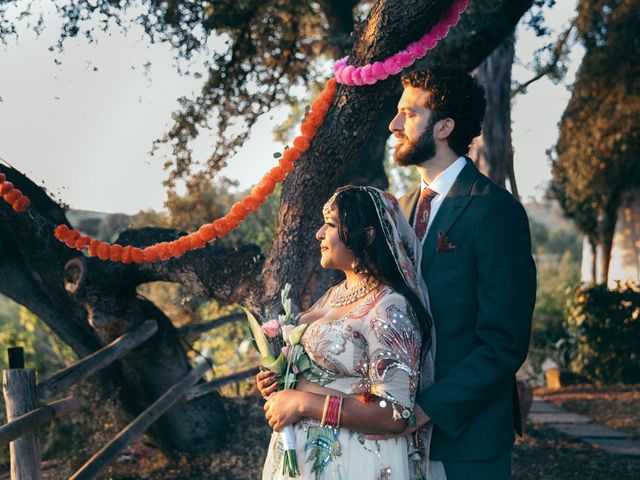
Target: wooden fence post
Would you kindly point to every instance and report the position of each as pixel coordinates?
(19, 388)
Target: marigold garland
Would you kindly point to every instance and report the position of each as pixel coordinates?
(18, 201)
(373, 72)
(218, 228)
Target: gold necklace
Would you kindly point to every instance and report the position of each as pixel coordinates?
(342, 295)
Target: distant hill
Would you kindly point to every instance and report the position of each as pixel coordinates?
(100, 225)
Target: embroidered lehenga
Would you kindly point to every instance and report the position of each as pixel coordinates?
(375, 348)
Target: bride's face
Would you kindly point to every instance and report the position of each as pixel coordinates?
(333, 252)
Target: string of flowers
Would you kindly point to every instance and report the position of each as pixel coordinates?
(372, 73)
(218, 228)
(13, 196)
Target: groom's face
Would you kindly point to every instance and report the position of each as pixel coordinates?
(413, 128)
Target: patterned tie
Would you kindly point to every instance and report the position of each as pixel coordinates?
(423, 211)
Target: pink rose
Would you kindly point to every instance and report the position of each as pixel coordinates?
(271, 328)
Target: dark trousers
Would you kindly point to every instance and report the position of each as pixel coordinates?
(493, 469)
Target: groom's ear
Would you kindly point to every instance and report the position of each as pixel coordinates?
(371, 235)
(444, 128)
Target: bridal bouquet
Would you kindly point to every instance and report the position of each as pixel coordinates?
(278, 342)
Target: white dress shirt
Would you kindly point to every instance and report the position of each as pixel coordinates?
(441, 185)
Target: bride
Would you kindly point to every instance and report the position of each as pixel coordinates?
(371, 342)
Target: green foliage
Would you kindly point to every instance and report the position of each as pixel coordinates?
(204, 201)
(606, 327)
(599, 143)
(554, 287)
(42, 349)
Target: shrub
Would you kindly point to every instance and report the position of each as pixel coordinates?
(606, 329)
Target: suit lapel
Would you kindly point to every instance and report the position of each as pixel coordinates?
(452, 206)
(408, 205)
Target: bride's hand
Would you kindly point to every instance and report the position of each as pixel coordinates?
(283, 408)
(267, 382)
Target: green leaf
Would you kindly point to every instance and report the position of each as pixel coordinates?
(262, 344)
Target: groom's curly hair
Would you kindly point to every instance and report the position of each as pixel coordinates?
(453, 94)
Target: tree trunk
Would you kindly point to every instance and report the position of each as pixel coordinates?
(594, 261)
(492, 152)
(88, 302)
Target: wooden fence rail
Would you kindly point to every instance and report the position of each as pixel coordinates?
(199, 328)
(36, 418)
(24, 416)
(98, 360)
(208, 387)
(139, 425)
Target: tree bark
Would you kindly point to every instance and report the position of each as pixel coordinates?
(492, 152)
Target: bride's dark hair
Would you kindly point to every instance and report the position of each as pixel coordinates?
(356, 213)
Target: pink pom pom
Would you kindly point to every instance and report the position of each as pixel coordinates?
(391, 66)
(378, 71)
(346, 75)
(403, 59)
(440, 31)
(367, 74)
(417, 50)
(429, 41)
(356, 76)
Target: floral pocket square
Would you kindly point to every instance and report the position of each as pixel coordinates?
(444, 244)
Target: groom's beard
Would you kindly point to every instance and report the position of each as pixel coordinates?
(414, 153)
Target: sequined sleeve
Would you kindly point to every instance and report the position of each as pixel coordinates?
(394, 351)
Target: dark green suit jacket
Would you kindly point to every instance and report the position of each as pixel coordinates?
(477, 264)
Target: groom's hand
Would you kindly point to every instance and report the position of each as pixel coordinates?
(421, 419)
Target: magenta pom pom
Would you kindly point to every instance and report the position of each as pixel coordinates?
(371, 73)
(403, 59)
(367, 74)
(356, 76)
(346, 75)
(417, 50)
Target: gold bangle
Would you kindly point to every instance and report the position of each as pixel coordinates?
(324, 410)
(339, 412)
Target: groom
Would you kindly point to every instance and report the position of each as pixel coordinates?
(477, 264)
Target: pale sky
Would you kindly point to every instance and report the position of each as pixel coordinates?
(83, 128)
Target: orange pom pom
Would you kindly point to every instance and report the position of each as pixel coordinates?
(5, 187)
(308, 129)
(207, 232)
(277, 174)
(239, 210)
(174, 250)
(103, 251)
(60, 232)
(164, 251)
(12, 196)
(82, 242)
(232, 222)
(184, 243)
(257, 193)
(291, 154)
(221, 227)
(195, 241)
(93, 247)
(71, 238)
(21, 205)
(115, 253)
(286, 164)
(137, 255)
(302, 143)
(267, 185)
(126, 254)
(251, 202)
